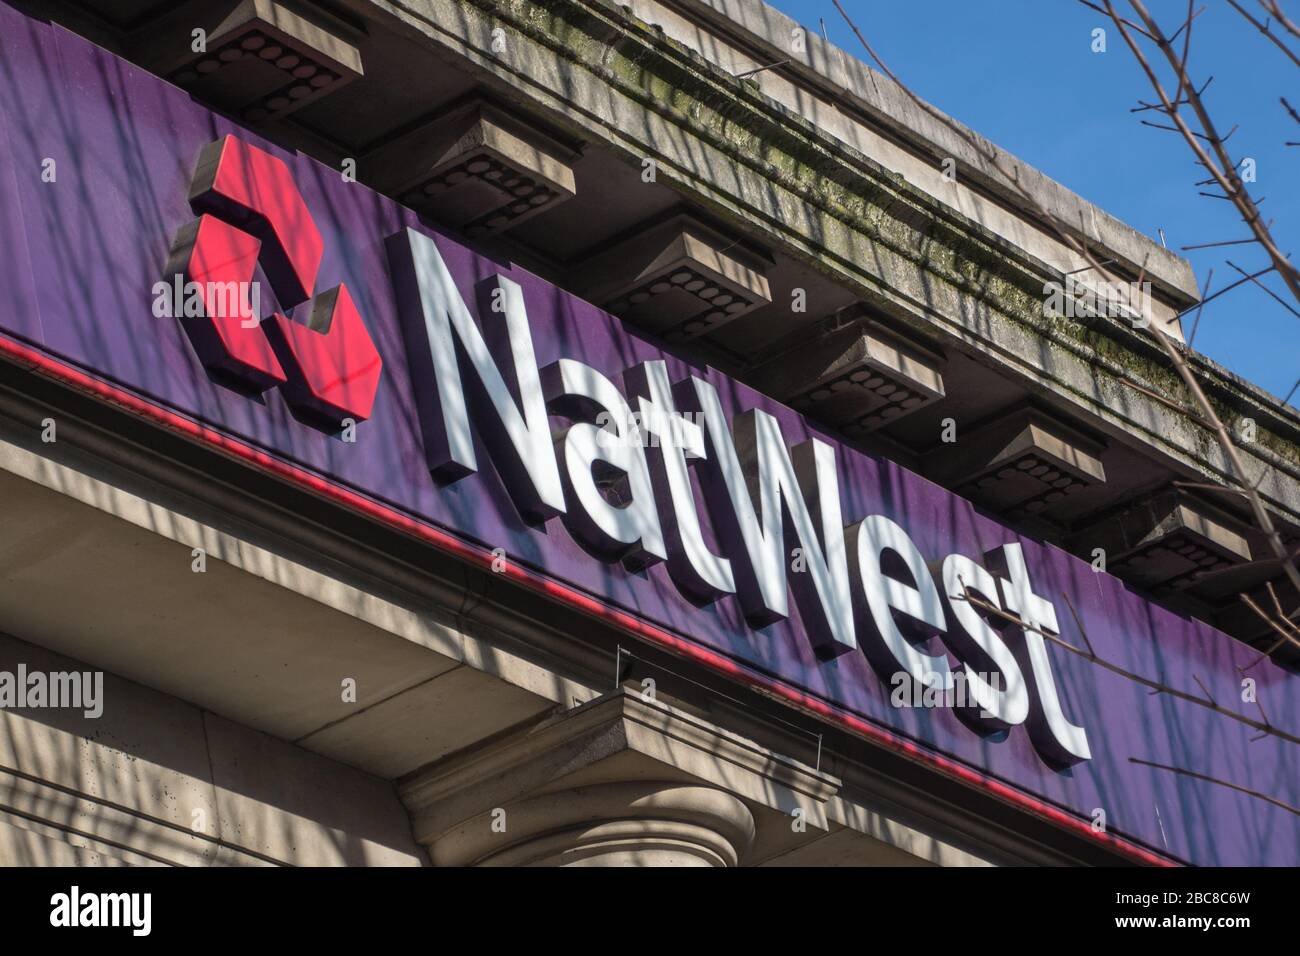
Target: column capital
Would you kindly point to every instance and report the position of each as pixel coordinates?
(644, 823)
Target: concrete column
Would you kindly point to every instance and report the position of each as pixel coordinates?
(655, 823)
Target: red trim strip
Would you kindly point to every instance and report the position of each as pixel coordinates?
(813, 706)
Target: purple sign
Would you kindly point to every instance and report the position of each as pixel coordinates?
(659, 488)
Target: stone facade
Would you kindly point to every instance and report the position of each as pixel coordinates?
(797, 231)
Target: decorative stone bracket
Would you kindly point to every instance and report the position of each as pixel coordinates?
(262, 59)
(860, 378)
(678, 278)
(477, 167)
(619, 780)
(1023, 463)
(1168, 541)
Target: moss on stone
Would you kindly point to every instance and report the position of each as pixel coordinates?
(844, 199)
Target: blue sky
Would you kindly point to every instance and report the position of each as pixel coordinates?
(1022, 73)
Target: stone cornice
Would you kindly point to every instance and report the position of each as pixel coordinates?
(747, 158)
(823, 66)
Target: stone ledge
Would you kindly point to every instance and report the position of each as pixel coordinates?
(823, 63)
(994, 310)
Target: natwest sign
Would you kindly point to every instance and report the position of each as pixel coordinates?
(566, 442)
(491, 410)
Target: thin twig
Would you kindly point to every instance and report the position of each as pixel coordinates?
(1274, 9)
(1228, 181)
(1280, 301)
(1263, 28)
(1223, 783)
(1156, 686)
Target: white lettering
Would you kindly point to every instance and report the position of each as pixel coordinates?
(528, 468)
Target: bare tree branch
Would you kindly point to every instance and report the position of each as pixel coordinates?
(1274, 8)
(1263, 28)
(1219, 164)
(1223, 170)
(1222, 783)
(1227, 180)
(1158, 687)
